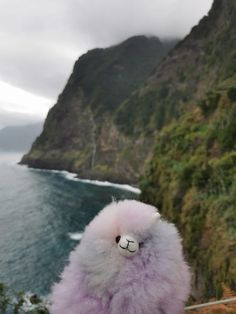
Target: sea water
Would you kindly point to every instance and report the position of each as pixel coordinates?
(42, 218)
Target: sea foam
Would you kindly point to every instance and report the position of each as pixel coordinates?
(73, 176)
(77, 236)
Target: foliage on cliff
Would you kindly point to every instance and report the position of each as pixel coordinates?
(191, 175)
(191, 178)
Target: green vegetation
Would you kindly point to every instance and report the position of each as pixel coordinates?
(191, 178)
(20, 303)
(209, 104)
(232, 94)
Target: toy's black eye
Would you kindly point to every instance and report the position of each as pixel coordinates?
(117, 239)
(141, 244)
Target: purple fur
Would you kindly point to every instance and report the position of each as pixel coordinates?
(99, 280)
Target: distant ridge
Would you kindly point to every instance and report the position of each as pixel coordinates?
(19, 138)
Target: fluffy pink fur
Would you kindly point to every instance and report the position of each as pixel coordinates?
(99, 280)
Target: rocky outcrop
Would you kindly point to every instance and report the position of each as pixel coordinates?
(80, 133)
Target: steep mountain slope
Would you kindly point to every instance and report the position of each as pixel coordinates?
(191, 175)
(198, 63)
(191, 178)
(19, 138)
(79, 134)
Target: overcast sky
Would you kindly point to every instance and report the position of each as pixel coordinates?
(40, 41)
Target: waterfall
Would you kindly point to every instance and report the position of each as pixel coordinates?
(94, 145)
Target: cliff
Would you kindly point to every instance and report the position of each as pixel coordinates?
(80, 133)
(191, 175)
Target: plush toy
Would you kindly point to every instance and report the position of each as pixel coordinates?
(129, 261)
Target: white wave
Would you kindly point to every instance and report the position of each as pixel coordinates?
(116, 185)
(70, 175)
(73, 176)
(77, 236)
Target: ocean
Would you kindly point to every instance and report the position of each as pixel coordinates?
(42, 218)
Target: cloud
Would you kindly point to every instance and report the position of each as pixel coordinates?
(39, 67)
(18, 107)
(40, 40)
(18, 100)
(109, 21)
(15, 118)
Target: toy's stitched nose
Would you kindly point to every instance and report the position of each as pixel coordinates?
(128, 246)
(129, 241)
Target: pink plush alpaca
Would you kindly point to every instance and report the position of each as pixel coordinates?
(129, 261)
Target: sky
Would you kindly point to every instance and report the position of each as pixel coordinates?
(41, 40)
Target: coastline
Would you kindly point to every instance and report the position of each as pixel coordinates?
(74, 177)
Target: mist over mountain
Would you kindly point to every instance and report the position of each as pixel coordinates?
(19, 138)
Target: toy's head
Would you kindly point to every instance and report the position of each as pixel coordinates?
(117, 235)
(122, 227)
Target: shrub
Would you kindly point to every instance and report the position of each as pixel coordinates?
(209, 104)
(232, 94)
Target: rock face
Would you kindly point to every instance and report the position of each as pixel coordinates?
(80, 133)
